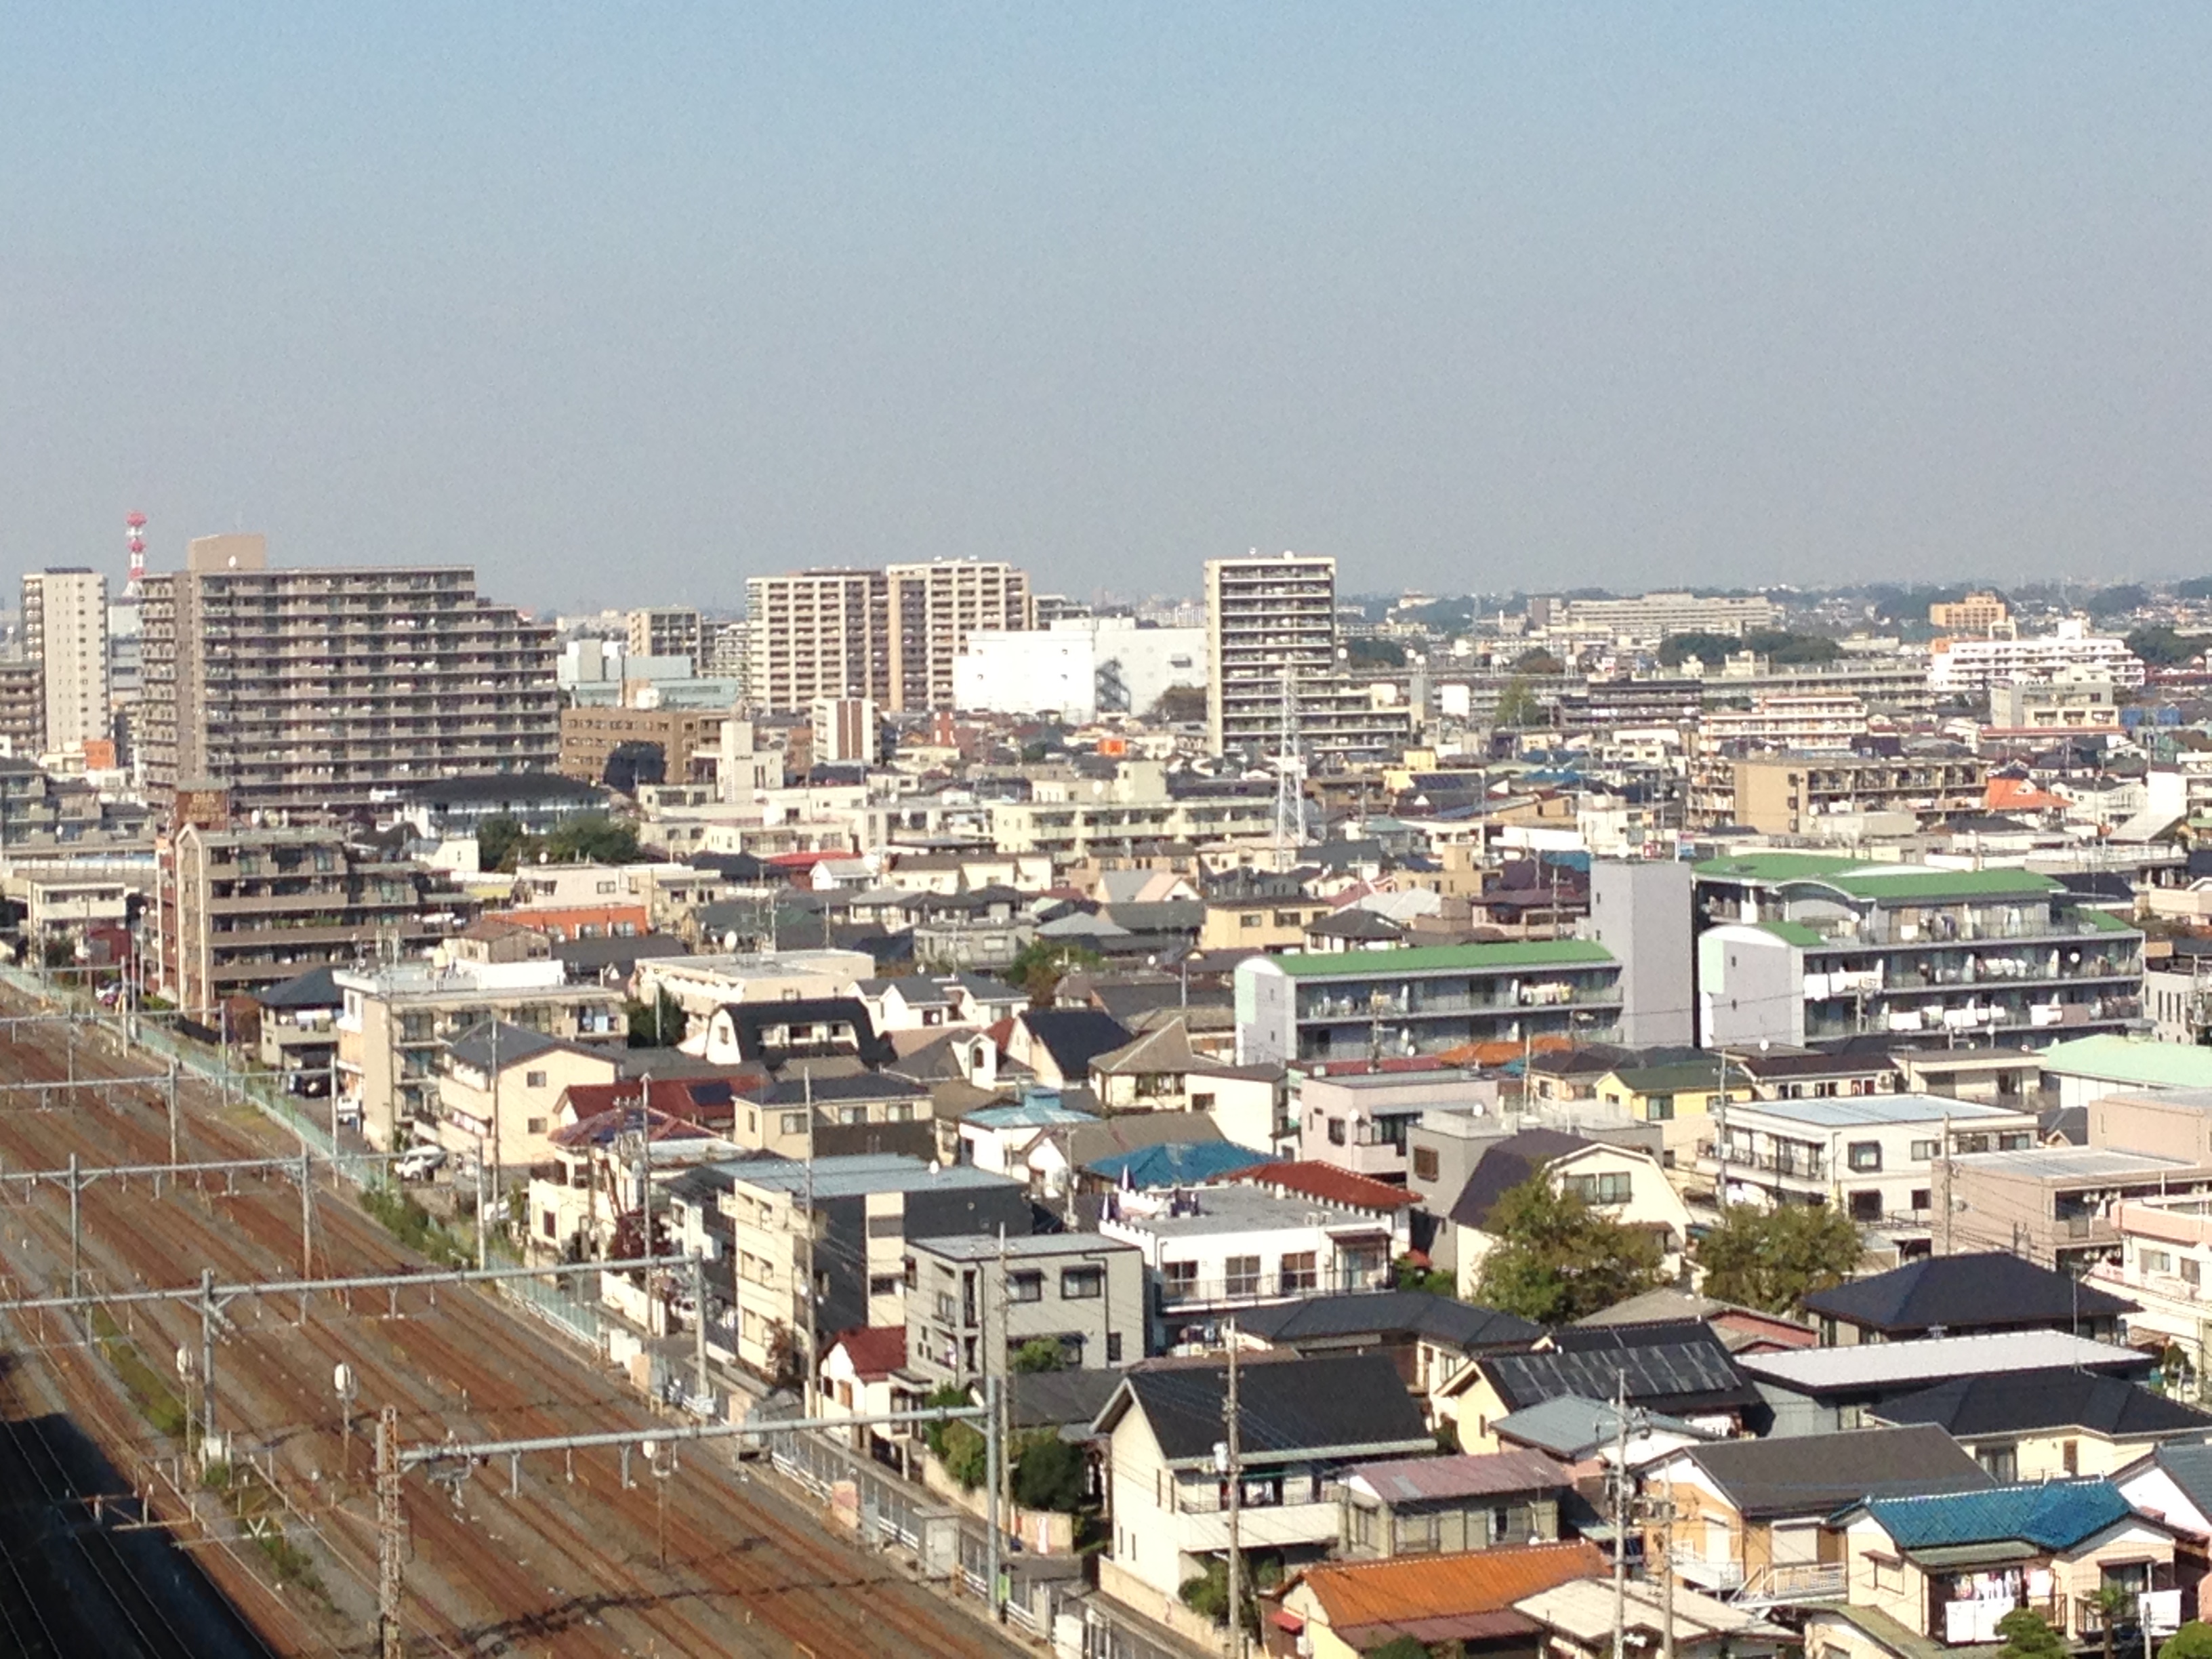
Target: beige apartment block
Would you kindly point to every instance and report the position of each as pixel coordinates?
(65, 632)
(327, 690)
(934, 608)
(239, 908)
(889, 635)
(664, 630)
(1264, 617)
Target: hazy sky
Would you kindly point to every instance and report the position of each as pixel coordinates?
(622, 303)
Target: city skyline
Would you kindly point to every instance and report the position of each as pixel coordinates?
(1466, 302)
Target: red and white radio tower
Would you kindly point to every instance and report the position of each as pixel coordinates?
(135, 523)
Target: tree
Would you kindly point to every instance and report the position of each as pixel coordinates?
(2194, 1639)
(1537, 660)
(592, 838)
(1364, 648)
(498, 838)
(1400, 1647)
(1435, 1280)
(933, 1434)
(2122, 600)
(2161, 648)
(1774, 1259)
(1518, 706)
(1179, 705)
(1039, 966)
(2197, 587)
(2028, 1637)
(1049, 1473)
(1038, 1354)
(1556, 1259)
(1711, 649)
(966, 1455)
(658, 1026)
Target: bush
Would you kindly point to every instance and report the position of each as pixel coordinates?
(966, 1455)
(1048, 1474)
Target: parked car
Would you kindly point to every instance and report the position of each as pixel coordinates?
(419, 1163)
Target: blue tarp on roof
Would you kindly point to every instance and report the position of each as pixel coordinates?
(2052, 1514)
(1178, 1163)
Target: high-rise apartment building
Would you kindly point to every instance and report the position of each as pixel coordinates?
(328, 690)
(65, 632)
(23, 707)
(890, 636)
(665, 630)
(1264, 618)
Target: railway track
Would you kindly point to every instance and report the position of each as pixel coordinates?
(551, 1567)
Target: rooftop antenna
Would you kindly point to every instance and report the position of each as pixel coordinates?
(134, 526)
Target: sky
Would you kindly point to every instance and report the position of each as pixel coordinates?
(623, 303)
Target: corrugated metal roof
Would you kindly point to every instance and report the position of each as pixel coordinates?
(1415, 1480)
(2053, 1514)
(1887, 1364)
(1412, 1589)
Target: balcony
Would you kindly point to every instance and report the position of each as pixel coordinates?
(1198, 1295)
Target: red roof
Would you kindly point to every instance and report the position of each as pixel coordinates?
(800, 860)
(1328, 1183)
(694, 1099)
(874, 1351)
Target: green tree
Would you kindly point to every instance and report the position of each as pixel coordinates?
(1400, 1647)
(1537, 660)
(1179, 705)
(1038, 1354)
(1517, 706)
(498, 839)
(2194, 1639)
(1049, 1473)
(1435, 1280)
(966, 1456)
(1039, 966)
(1556, 1259)
(2028, 1637)
(1711, 649)
(933, 1434)
(2116, 1605)
(592, 838)
(2161, 648)
(1774, 1259)
(1366, 649)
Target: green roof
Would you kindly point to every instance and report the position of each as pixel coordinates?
(1444, 959)
(1680, 1078)
(1920, 883)
(2132, 1059)
(2102, 921)
(1775, 866)
(1794, 933)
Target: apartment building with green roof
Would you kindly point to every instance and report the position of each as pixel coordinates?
(1800, 948)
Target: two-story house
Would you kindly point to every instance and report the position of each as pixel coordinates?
(1428, 1505)
(1623, 1182)
(1942, 1571)
(1364, 1123)
(500, 1089)
(1972, 1294)
(1749, 1514)
(1303, 1423)
(1682, 1371)
(2051, 1424)
(973, 1301)
(1811, 1389)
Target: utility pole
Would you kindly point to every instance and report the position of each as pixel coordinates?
(1234, 1444)
(807, 1397)
(173, 1109)
(307, 1220)
(699, 1326)
(207, 1358)
(1620, 1516)
(1945, 1150)
(483, 1213)
(391, 1538)
(994, 1461)
(1667, 1572)
(1720, 1143)
(76, 1188)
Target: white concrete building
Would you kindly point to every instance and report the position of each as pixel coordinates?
(1079, 667)
(1970, 667)
(65, 632)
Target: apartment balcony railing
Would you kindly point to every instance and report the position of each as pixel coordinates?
(1191, 1294)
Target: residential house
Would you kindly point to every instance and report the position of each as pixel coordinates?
(2091, 1067)
(974, 1300)
(1158, 1071)
(1675, 1371)
(765, 1224)
(1422, 1000)
(1741, 1329)
(1211, 1252)
(500, 1089)
(1363, 1123)
(1060, 1044)
(584, 1199)
(2173, 1481)
(2165, 1265)
(1815, 1075)
(1341, 1609)
(1965, 1296)
(1578, 1621)
(1678, 1096)
(299, 1031)
(1811, 1390)
(863, 1375)
(1259, 910)
(2059, 1206)
(1428, 1337)
(1942, 1571)
(1749, 1514)
(796, 1028)
(2052, 1424)
(1874, 1156)
(1303, 1423)
(1586, 1434)
(1002, 1138)
(1433, 1505)
(1623, 1183)
(833, 1114)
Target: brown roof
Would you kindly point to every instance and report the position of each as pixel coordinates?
(1376, 1598)
(1328, 1183)
(875, 1351)
(1418, 1479)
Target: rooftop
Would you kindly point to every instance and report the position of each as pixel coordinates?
(1430, 1597)
(1866, 1111)
(2026, 1402)
(1335, 1403)
(2113, 1059)
(1440, 959)
(857, 1174)
(1818, 1473)
(1240, 1209)
(980, 1247)
(1933, 1359)
(2053, 1514)
(1417, 1479)
(1965, 1292)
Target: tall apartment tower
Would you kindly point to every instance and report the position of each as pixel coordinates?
(665, 630)
(890, 636)
(329, 691)
(65, 632)
(1262, 616)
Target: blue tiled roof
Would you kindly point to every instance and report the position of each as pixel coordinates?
(1177, 1164)
(2052, 1514)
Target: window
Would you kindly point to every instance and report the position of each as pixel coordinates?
(1202, 1103)
(883, 1283)
(550, 1223)
(1300, 1273)
(2002, 1462)
(1426, 1167)
(1923, 1152)
(1025, 1287)
(1112, 1347)
(1336, 1131)
(1864, 1156)
(2018, 1141)
(902, 1112)
(1609, 1188)
(794, 1123)
(2192, 1270)
(1247, 920)
(1416, 1535)
(852, 1114)
(1179, 1280)
(1659, 1108)
(1082, 1283)
(887, 1226)
(534, 1126)
(1866, 1206)
(1501, 1524)
(2071, 1454)
(1241, 1275)
(2157, 1262)
(1924, 1199)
